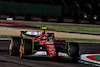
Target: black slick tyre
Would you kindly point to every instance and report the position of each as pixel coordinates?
(15, 46)
(73, 51)
(27, 48)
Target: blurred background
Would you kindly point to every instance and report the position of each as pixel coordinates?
(68, 11)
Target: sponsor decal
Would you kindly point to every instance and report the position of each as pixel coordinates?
(50, 42)
(50, 45)
(41, 53)
(20, 17)
(4, 16)
(52, 19)
(83, 20)
(41, 42)
(97, 21)
(36, 18)
(51, 49)
(10, 19)
(33, 33)
(62, 54)
(68, 19)
(36, 33)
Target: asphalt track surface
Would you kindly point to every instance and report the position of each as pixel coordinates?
(14, 61)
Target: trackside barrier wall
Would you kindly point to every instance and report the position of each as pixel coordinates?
(41, 12)
(30, 9)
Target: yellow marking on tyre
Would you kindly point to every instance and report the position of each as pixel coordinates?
(10, 53)
(11, 43)
(32, 46)
(21, 53)
(21, 41)
(11, 46)
(68, 48)
(21, 48)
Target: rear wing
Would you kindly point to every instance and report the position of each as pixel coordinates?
(33, 34)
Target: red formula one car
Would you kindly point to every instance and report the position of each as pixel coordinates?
(42, 44)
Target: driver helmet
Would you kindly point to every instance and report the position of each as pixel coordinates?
(44, 38)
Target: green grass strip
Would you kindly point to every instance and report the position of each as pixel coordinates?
(6, 36)
(56, 38)
(75, 39)
(70, 28)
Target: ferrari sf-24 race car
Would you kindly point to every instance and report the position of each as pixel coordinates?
(42, 44)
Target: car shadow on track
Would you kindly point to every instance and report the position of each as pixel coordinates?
(4, 52)
(51, 59)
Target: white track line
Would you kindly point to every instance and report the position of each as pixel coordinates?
(84, 57)
(4, 38)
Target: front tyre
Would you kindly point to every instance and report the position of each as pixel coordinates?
(73, 51)
(14, 46)
(25, 47)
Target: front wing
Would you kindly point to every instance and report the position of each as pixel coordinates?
(44, 54)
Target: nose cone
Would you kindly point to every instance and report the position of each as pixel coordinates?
(51, 48)
(53, 54)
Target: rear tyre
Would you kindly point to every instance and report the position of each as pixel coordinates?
(14, 46)
(26, 48)
(73, 51)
